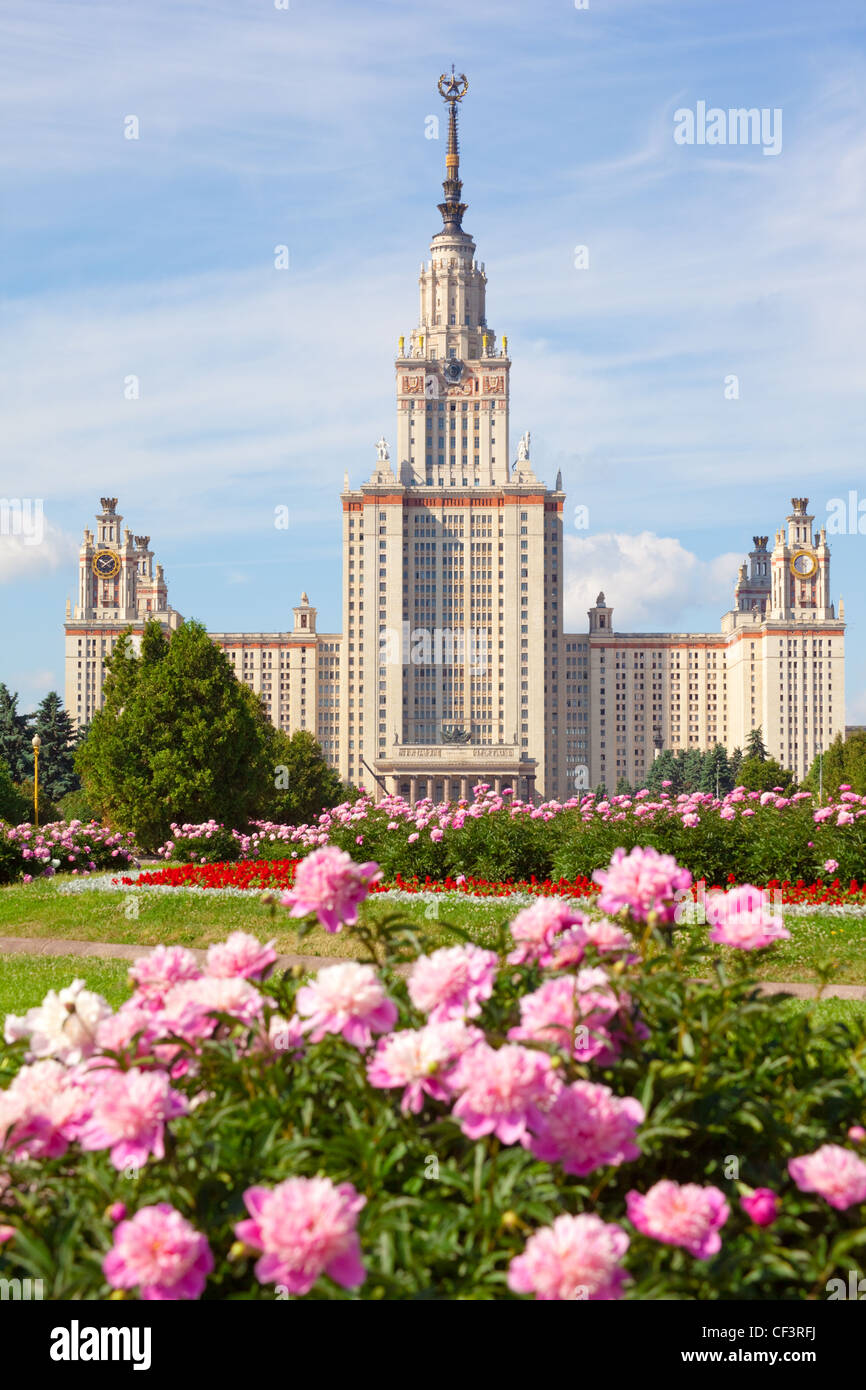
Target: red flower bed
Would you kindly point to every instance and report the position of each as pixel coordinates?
(246, 873)
(279, 874)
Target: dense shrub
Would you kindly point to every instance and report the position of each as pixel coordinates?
(201, 844)
(76, 806)
(60, 847)
(13, 806)
(264, 1084)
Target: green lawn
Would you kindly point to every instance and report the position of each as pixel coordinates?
(25, 980)
(194, 919)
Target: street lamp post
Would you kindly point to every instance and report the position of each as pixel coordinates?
(820, 776)
(37, 744)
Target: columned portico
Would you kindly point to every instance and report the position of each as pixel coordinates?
(450, 772)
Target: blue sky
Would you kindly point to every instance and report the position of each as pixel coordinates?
(261, 126)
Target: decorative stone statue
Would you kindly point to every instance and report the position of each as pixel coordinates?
(523, 448)
(382, 454)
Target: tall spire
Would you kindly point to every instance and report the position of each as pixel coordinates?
(452, 90)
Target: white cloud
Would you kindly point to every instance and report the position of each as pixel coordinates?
(650, 581)
(21, 559)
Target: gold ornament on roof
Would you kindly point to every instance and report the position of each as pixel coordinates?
(450, 88)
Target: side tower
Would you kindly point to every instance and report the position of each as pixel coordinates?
(118, 588)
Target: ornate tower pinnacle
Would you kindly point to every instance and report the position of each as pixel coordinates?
(452, 90)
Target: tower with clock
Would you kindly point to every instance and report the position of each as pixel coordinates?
(800, 568)
(118, 588)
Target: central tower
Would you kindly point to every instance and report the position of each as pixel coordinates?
(452, 384)
(452, 556)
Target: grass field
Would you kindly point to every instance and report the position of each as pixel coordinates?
(26, 979)
(819, 942)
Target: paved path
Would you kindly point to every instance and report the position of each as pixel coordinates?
(61, 946)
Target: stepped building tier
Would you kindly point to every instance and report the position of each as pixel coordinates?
(452, 666)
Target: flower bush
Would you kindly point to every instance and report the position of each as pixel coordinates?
(28, 852)
(754, 836)
(594, 1110)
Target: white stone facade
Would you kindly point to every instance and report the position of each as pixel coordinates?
(452, 666)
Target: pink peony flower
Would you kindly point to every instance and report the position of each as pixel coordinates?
(189, 1009)
(129, 1114)
(115, 1034)
(349, 999)
(419, 1059)
(241, 954)
(453, 982)
(330, 883)
(836, 1174)
(857, 1134)
(643, 881)
(686, 1215)
(304, 1227)
(739, 919)
(607, 937)
(164, 967)
(116, 1212)
(573, 1012)
(587, 1127)
(831, 865)
(501, 1091)
(7, 1233)
(160, 1253)
(535, 927)
(761, 1206)
(41, 1109)
(568, 949)
(576, 1258)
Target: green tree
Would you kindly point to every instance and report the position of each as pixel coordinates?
(179, 738)
(755, 747)
(736, 764)
(14, 807)
(304, 783)
(54, 726)
(624, 787)
(664, 769)
(844, 763)
(716, 774)
(691, 765)
(15, 735)
(763, 775)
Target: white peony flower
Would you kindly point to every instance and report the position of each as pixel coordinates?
(63, 1026)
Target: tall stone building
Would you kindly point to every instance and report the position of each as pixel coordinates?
(452, 590)
(452, 666)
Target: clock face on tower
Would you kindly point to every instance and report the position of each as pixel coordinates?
(803, 565)
(453, 369)
(105, 564)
